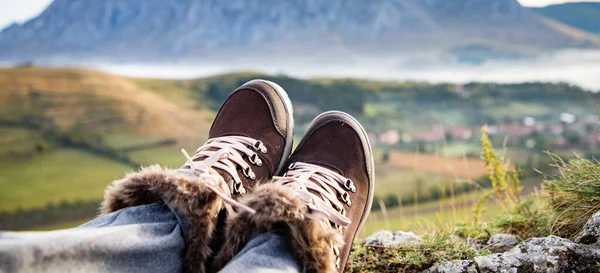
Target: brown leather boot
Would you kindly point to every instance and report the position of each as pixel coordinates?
(322, 201)
(256, 121)
(250, 140)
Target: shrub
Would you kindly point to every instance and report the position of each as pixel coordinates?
(530, 218)
(504, 179)
(574, 193)
(506, 185)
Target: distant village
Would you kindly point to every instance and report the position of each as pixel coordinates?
(567, 131)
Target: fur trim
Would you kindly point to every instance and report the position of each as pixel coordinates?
(184, 194)
(279, 208)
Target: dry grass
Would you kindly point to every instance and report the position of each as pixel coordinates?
(93, 101)
(392, 179)
(455, 167)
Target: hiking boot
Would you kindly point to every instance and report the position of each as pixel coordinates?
(250, 139)
(334, 162)
(322, 200)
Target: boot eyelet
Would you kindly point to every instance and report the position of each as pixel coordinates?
(259, 146)
(239, 189)
(249, 173)
(349, 185)
(346, 199)
(254, 159)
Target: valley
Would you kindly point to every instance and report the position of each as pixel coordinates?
(66, 133)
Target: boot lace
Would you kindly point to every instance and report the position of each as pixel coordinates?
(225, 154)
(320, 188)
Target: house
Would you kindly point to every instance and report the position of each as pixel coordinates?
(390, 137)
(460, 133)
(515, 130)
(436, 134)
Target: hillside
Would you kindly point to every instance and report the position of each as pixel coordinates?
(582, 15)
(338, 31)
(66, 133)
(93, 105)
(125, 113)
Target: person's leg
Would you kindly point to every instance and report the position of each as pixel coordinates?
(266, 252)
(146, 238)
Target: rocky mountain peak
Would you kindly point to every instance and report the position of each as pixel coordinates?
(166, 30)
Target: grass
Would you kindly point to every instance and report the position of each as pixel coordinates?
(447, 204)
(169, 90)
(123, 141)
(18, 141)
(64, 225)
(63, 174)
(460, 148)
(574, 193)
(455, 167)
(438, 246)
(393, 179)
(97, 103)
(170, 156)
(424, 222)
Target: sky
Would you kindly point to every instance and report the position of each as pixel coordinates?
(21, 10)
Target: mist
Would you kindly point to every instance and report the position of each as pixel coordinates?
(577, 67)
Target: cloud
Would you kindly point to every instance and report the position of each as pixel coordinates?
(541, 3)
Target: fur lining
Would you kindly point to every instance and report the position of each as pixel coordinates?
(279, 208)
(184, 194)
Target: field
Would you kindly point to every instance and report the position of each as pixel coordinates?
(449, 166)
(60, 175)
(424, 218)
(393, 179)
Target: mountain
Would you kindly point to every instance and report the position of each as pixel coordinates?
(213, 31)
(583, 15)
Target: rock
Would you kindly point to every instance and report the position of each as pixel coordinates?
(389, 239)
(379, 238)
(476, 243)
(591, 231)
(458, 266)
(549, 254)
(501, 243)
